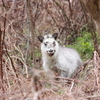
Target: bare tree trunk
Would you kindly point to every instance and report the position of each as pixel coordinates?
(1, 65)
(92, 7)
(32, 27)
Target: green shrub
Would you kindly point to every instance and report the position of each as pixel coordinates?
(84, 45)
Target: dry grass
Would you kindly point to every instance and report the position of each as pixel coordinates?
(48, 16)
(86, 86)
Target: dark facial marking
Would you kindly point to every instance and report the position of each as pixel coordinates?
(45, 43)
(54, 44)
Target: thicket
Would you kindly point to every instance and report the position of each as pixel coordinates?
(21, 21)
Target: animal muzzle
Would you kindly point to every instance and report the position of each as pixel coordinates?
(51, 52)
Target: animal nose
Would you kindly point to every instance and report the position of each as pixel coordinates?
(50, 51)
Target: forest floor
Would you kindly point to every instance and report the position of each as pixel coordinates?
(86, 86)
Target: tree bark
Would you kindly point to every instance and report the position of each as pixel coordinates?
(92, 7)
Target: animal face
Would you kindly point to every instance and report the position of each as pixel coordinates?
(50, 46)
(49, 43)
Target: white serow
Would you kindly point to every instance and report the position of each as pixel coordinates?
(65, 59)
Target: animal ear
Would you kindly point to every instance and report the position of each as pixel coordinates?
(40, 38)
(55, 35)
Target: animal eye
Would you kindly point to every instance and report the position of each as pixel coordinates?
(54, 43)
(45, 44)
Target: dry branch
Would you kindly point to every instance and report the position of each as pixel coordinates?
(1, 59)
(31, 27)
(19, 20)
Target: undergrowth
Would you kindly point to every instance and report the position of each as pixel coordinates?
(84, 45)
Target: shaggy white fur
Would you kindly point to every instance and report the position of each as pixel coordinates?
(67, 60)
